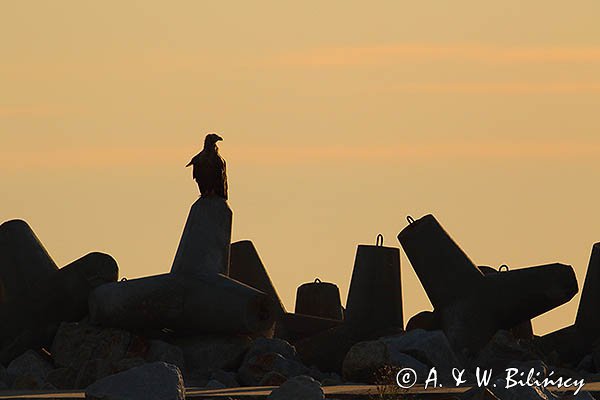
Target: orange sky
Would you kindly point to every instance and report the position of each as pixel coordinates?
(339, 120)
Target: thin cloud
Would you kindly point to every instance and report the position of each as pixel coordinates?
(130, 157)
(8, 111)
(392, 54)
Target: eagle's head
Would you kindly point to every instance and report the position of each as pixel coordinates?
(211, 140)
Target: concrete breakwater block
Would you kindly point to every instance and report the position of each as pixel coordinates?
(319, 299)
(209, 304)
(206, 239)
(23, 260)
(29, 320)
(246, 266)
(469, 306)
(375, 294)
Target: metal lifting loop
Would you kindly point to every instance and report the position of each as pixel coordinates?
(123, 279)
(504, 268)
(410, 219)
(379, 240)
(317, 280)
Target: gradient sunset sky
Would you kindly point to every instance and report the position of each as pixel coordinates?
(340, 118)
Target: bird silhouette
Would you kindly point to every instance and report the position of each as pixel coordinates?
(209, 169)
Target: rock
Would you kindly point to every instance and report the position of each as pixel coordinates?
(214, 384)
(92, 371)
(128, 363)
(272, 378)
(3, 374)
(76, 343)
(31, 367)
(226, 378)
(366, 359)
(540, 369)
(254, 370)
(62, 378)
(520, 392)
(502, 349)
(264, 345)
(205, 354)
(162, 351)
(478, 393)
(298, 388)
(587, 364)
(579, 396)
(429, 347)
(154, 381)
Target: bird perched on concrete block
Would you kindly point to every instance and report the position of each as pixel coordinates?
(209, 169)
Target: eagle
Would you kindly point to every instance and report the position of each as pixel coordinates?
(209, 169)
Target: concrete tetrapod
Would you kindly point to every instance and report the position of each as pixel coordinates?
(319, 299)
(469, 306)
(29, 321)
(375, 294)
(577, 340)
(246, 266)
(23, 260)
(209, 304)
(206, 239)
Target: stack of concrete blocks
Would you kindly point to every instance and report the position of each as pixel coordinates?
(37, 295)
(197, 296)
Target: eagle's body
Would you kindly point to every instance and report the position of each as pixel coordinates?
(209, 169)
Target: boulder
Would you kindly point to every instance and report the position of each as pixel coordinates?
(501, 350)
(63, 378)
(76, 343)
(478, 393)
(365, 359)
(154, 381)
(298, 388)
(520, 392)
(226, 378)
(205, 354)
(264, 345)
(163, 351)
(429, 347)
(254, 370)
(30, 367)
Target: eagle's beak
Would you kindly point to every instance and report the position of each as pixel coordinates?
(219, 138)
(190, 163)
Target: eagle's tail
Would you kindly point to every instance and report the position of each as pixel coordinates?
(190, 163)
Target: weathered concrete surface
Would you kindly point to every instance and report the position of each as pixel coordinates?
(294, 327)
(23, 260)
(209, 304)
(246, 266)
(471, 307)
(319, 299)
(155, 381)
(375, 296)
(587, 321)
(572, 343)
(204, 354)
(298, 388)
(30, 321)
(206, 239)
(443, 268)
